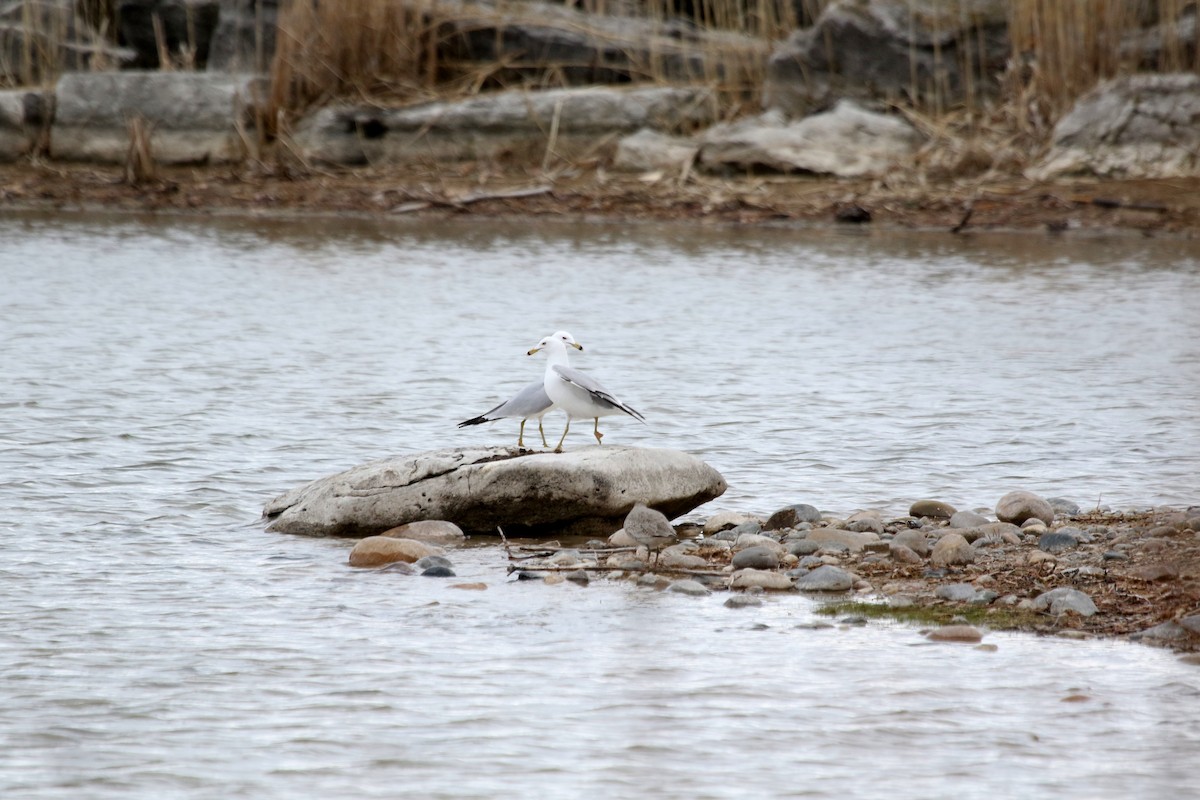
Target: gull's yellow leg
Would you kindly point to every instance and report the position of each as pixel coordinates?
(521, 437)
(542, 432)
(564, 436)
(599, 435)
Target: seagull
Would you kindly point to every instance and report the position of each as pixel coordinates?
(530, 402)
(649, 528)
(575, 392)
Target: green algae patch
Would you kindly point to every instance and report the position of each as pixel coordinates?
(989, 616)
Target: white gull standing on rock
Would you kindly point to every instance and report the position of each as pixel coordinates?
(575, 392)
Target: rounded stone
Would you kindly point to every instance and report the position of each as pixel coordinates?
(747, 578)
(723, 520)
(1016, 507)
(952, 549)
(913, 540)
(743, 601)
(689, 587)
(438, 572)
(375, 551)
(903, 555)
(955, 633)
(430, 531)
(791, 516)
(425, 562)
(956, 592)
(1063, 507)
(1056, 542)
(934, 509)
(803, 547)
(756, 558)
(968, 519)
(1065, 599)
(826, 578)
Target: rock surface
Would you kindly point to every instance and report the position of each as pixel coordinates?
(586, 491)
(791, 516)
(1136, 126)
(516, 122)
(431, 531)
(1017, 507)
(375, 551)
(190, 117)
(952, 549)
(847, 141)
(827, 578)
(885, 49)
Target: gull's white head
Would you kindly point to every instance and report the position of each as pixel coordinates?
(557, 342)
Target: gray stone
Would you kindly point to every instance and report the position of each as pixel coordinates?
(743, 601)
(1063, 600)
(438, 572)
(425, 562)
(1063, 507)
(723, 520)
(756, 558)
(913, 540)
(955, 633)
(1134, 126)
(865, 522)
(584, 492)
(579, 576)
(803, 547)
(649, 150)
(956, 592)
(1057, 542)
(517, 122)
(791, 516)
(749, 578)
(890, 49)
(826, 578)
(855, 542)
(1169, 632)
(750, 527)
(952, 549)
(847, 141)
(903, 555)
(1016, 507)
(688, 586)
(968, 519)
(191, 117)
(24, 119)
(672, 558)
(933, 509)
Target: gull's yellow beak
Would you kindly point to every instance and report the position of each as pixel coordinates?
(577, 345)
(534, 350)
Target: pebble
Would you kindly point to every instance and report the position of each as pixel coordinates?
(1063, 507)
(426, 562)
(745, 540)
(803, 547)
(565, 558)
(1057, 542)
(475, 587)
(904, 555)
(955, 633)
(968, 519)
(934, 509)
(956, 592)
(438, 572)
(1063, 600)
(674, 559)
(826, 579)
(579, 576)
(742, 601)
(865, 522)
(1016, 507)
(723, 520)
(952, 549)
(653, 581)
(689, 587)
(554, 578)
(791, 516)
(746, 578)
(913, 540)
(751, 526)
(757, 557)
(852, 540)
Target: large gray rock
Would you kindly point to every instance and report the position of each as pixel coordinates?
(848, 141)
(191, 117)
(24, 118)
(948, 50)
(516, 122)
(1136, 126)
(587, 491)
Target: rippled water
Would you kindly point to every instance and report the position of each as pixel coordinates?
(163, 378)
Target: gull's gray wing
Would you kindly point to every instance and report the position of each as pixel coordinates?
(593, 388)
(529, 402)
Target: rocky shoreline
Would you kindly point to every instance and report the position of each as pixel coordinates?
(1035, 565)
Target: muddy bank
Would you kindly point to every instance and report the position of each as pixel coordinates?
(1167, 206)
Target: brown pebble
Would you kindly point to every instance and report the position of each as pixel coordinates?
(955, 633)
(1075, 698)
(472, 586)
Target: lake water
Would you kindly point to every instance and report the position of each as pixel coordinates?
(164, 378)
